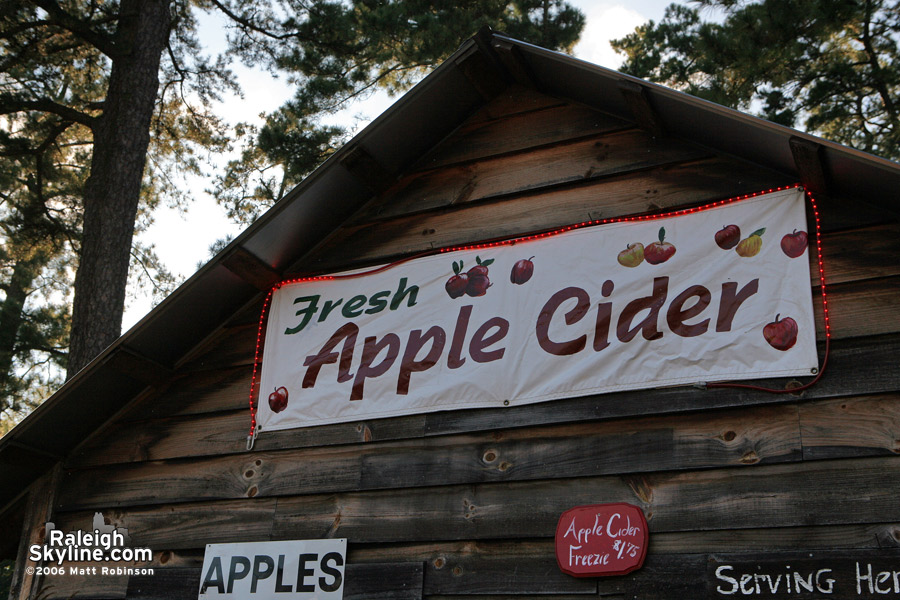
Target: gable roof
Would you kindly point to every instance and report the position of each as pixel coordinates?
(482, 67)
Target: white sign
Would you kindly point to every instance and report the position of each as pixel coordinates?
(288, 570)
(716, 294)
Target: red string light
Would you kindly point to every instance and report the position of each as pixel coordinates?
(826, 319)
(554, 232)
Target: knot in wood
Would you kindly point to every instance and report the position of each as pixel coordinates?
(750, 458)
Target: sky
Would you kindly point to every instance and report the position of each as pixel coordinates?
(182, 240)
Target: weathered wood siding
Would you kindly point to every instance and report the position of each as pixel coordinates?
(474, 496)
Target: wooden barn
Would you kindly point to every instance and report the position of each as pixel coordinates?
(745, 492)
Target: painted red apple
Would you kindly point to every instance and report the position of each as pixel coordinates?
(481, 266)
(478, 285)
(781, 333)
(728, 237)
(659, 252)
(794, 244)
(457, 284)
(631, 256)
(478, 277)
(522, 271)
(278, 399)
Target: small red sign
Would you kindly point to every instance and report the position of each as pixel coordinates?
(601, 539)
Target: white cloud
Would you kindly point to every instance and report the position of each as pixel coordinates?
(605, 22)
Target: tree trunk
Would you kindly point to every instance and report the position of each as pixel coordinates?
(112, 191)
(12, 311)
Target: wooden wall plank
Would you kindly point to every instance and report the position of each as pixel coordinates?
(877, 535)
(669, 576)
(652, 444)
(11, 526)
(69, 587)
(388, 581)
(437, 555)
(482, 139)
(195, 435)
(695, 182)
(490, 575)
(663, 576)
(820, 493)
(38, 512)
(863, 426)
(860, 308)
(199, 392)
(165, 584)
(689, 573)
(864, 366)
(514, 100)
(190, 525)
(401, 581)
(224, 433)
(602, 594)
(183, 545)
(858, 254)
(574, 162)
(640, 192)
(385, 581)
(232, 347)
(845, 213)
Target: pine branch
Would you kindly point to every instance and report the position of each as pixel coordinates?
(10, 105)
(247, 24)
(81, 28)
(8, 34)
(877, 73)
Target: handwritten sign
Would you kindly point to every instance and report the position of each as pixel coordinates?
(809, 575)
(601, 539)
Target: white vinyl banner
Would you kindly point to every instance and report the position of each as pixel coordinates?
(716, 294)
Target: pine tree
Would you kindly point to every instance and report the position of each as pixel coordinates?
(89, 89)
(340, 51)
(64, 143)
(828, 66)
